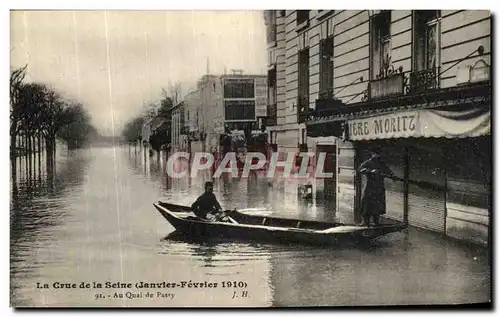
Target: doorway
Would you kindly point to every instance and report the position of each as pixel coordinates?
(330, 184)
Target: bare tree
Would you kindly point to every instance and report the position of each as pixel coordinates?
(16, 108)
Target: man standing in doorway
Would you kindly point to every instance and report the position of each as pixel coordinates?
(373, 194)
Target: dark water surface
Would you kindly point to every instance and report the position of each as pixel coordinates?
(93, 221)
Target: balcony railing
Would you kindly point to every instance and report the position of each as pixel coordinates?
(398, 88)
(398, 83)
(387, 87)
(424, 80)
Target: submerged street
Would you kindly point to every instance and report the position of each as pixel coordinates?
(94, 222)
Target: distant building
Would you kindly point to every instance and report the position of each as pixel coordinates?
(179, 136)
(225, 102)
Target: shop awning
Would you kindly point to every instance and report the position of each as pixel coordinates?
(425, 123)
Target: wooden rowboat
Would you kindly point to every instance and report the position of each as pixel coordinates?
(264, 228)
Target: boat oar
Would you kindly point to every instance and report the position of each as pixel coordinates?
(225, 214)
(232, 220)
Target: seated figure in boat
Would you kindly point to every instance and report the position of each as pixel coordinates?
(373, 193)
(207, 207)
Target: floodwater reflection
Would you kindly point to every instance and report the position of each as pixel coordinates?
(93, 220)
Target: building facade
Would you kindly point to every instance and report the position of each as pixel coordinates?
(415, 84)
(224, 102)
(179, 137)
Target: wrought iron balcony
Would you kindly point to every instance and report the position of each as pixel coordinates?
(393, 83)
(389, 82)
(424, 80)
(398, 88)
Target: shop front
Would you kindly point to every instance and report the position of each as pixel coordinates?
(439, 151)
(426, 149)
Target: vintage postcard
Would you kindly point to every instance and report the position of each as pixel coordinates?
(264, 158)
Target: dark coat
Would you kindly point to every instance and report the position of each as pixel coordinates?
(206, 203)
(373, 193)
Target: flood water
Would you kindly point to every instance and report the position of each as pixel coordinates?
(93, 222)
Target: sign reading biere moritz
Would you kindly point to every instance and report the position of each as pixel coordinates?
(383, 127)
(421, 123)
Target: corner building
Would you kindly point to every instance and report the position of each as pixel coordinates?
(414, 83)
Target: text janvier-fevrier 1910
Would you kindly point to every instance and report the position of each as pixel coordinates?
(140, 285)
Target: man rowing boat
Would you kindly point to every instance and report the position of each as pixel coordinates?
(207, 207)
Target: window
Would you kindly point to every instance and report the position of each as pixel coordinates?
(271, 88)
(381, 46)
(326, 66)
(239, 110)
(239, 88)
(302, 16)
(426, 39)
(272, 96)
(425, 75)
(303, 85)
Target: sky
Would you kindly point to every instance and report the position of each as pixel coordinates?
(114, 62)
